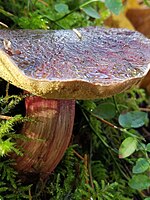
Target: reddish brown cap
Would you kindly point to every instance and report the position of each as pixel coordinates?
(86, 63)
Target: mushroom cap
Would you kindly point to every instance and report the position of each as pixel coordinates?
(86, 63)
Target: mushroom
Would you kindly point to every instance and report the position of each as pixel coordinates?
(58, 67)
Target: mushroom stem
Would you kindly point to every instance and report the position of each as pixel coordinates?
(50, 133)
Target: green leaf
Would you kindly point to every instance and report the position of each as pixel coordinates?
(148, 198)
(127, 147)
(91, 12)
(148, 147)
(61, 8)
(139, 182)
(89, 2)
(141, 166)
(133, 119)
(141, 146)
(147, 2)
(114, 6)
(105, 110)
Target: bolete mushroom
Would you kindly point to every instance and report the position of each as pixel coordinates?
(59, 67)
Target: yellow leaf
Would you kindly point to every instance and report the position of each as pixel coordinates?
(132, 4)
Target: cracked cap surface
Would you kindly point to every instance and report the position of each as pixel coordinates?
(86, 63)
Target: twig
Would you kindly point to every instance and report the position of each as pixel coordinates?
(89, 165)
(30, 196)
(116, 127)
(7, 88)
(98, 135)
(106, 122)
(5, 117)
(78, 155)
(145, 109)
(1, 23)
(86, 166)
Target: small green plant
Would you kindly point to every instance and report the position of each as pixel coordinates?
(131, 121)
(10, 185)
(56, 15)
(7, 123)
(140, 179)
(121, 135)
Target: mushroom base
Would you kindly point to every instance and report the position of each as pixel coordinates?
(49, 134)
